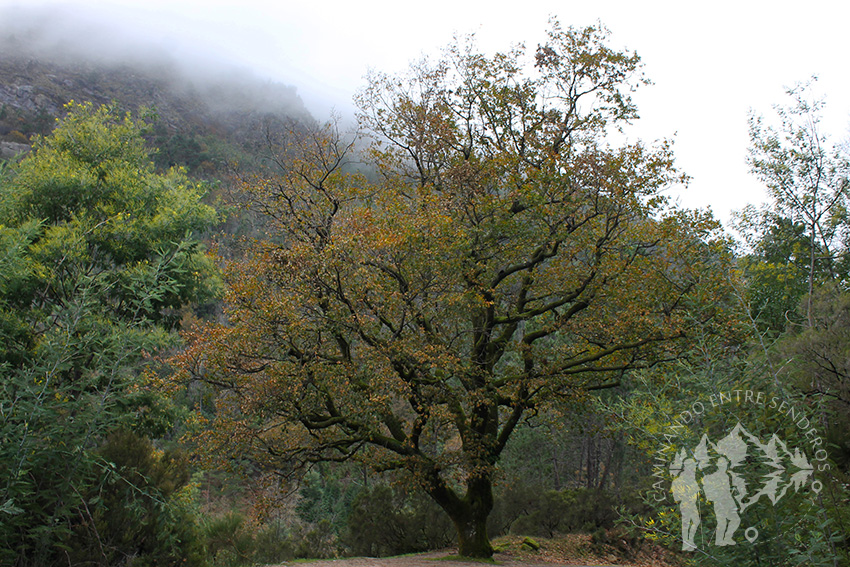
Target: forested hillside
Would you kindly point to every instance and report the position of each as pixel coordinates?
(232, 333)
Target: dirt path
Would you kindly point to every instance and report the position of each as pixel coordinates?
(433, 559)
(572, 550)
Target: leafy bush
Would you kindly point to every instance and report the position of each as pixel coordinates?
(512, 502)
(272, 546)
(386, 521)
(142, 513)
(17, 137)
(570, 510)
(230, 541)
(317, 541)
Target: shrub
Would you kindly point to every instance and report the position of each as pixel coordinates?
(142, 513)
(387, 521)
(17, 137)
(230, 542)
(570, 510)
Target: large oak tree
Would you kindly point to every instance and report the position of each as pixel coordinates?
(507, 258)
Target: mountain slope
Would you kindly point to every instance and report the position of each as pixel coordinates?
(191, 109)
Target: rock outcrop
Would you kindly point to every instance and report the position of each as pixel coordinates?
(10, 150)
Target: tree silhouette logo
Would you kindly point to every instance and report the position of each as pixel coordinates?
(717, 471)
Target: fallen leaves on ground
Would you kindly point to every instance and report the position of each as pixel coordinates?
(585, 549)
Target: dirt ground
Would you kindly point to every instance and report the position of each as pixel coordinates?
(423, 560)
(567, 551)
(428, 560)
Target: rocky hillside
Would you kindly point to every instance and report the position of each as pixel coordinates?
(194, 114)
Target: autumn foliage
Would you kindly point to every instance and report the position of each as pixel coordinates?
(500, 257)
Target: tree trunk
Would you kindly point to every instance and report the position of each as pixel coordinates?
(809, 318)
(472, 538)
(469, 514)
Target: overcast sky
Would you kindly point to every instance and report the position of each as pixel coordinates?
(709, 62)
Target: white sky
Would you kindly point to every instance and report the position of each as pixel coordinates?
(710, 62)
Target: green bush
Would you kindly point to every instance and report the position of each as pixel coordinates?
(142, 514)
(571, 510)
(386, 521)
(512, 502)
(272, 546)
(230, 542)
(318, 541)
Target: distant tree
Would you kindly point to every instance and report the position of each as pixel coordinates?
(776, 268)
(98, 258)
(509, 259)
(808, 180)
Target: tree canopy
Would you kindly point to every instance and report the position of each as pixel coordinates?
(504, 257)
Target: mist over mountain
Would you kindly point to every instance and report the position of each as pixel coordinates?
(52, 55)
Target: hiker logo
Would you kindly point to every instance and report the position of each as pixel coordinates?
(736, 472)
(726, 488)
